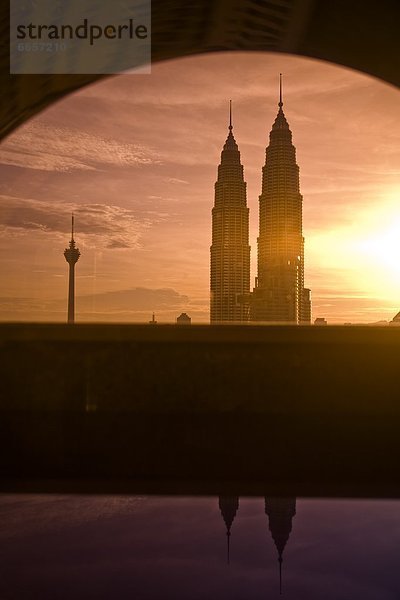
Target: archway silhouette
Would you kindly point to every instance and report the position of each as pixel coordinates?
(362, 35)
(323, 428)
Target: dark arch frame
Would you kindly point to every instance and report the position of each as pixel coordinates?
(360, 34)
(330, 425)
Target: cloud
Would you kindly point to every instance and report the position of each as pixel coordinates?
(354, 308)
(134, 300)
(241, 75)
(98, 224)
(176, 180)
(40, 146)
(130, 305)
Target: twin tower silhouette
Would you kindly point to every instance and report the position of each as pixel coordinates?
(280, 512)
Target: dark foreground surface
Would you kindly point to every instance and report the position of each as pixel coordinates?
(151, 547)
(168, 409)
(167, 462)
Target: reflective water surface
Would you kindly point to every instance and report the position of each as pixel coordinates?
(149, 547)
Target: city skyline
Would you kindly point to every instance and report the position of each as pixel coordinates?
(279, 295)
(135, 161)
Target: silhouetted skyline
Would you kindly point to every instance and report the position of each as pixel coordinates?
(279, 295)
(135, 158)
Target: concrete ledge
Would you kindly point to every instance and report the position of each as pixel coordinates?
(201, 369)
(305, 406)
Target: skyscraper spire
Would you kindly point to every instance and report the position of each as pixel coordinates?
(72, 255)
(230, 250)
(279, 295)
(396, 319)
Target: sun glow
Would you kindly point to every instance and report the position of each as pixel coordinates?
(367, 251)
(379, 244)
(383, 248)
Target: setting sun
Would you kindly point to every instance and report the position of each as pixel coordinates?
(366, 252)
(381, 244)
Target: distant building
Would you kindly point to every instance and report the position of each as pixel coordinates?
(320, 321)
(306, 306)
(396, 320)
(183, 319)
(153, 320)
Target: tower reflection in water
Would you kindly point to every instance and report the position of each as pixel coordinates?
(228, 506)
(280, 512)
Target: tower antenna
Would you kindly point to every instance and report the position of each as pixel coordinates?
(280, 91)
(72, 255)
(230, 115)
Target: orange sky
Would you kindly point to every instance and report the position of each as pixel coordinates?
(135, 157)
